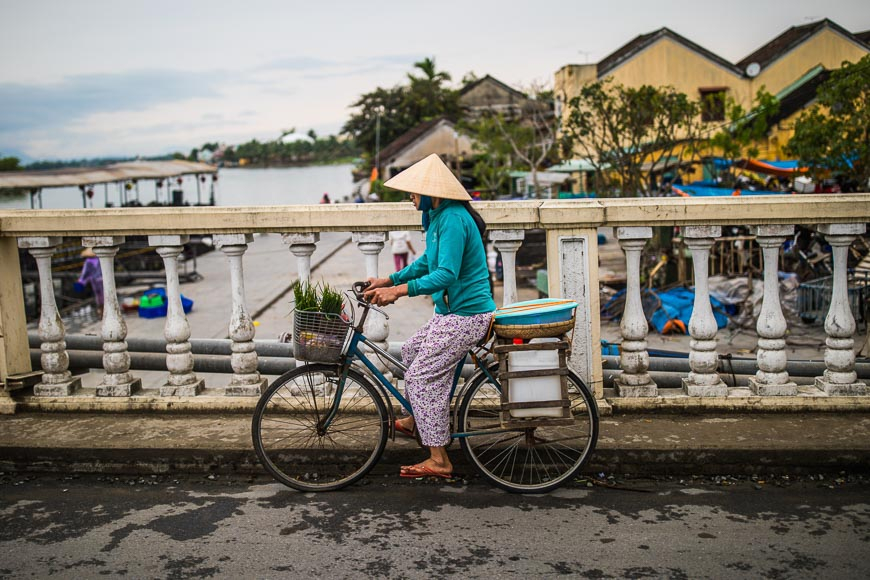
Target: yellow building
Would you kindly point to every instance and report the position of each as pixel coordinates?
(791, 66)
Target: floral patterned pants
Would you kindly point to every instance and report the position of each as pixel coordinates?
(431, 356)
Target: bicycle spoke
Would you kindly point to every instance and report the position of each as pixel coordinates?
(536, 459)
(299, 449)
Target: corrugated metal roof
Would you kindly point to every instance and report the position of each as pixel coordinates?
(573, 165)
(110, 173)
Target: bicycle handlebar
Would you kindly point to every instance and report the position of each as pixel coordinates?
(358, 290)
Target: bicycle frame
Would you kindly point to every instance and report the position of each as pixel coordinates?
(355, 352)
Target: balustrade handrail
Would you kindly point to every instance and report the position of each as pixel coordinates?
(526, 214)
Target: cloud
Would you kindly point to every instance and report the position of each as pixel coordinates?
(317, 69)
(28, 107)
(298, 63)
(140, 111)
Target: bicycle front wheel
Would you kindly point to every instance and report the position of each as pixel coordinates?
(531, 460)
(311, 439)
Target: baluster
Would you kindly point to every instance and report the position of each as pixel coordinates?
(302, 246)
(840, 377)
(56, 381)
(634, 381)
(246, 379)
(772, 377)
(508, 242)
(117, 382)
(376, 329)
(182, 380)
(703, 380)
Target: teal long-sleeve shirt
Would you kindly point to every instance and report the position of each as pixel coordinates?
(453, 269)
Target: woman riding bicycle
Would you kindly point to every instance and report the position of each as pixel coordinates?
(454, 272)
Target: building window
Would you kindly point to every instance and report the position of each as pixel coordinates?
(712, 104)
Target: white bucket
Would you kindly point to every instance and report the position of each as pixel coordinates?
(544, 388)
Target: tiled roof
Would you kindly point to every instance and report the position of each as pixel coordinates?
(791, 38)
(409, 137)
(643, 41)
(507, 88)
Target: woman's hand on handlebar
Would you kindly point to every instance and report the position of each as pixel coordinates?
(381, 292)
(375, 283)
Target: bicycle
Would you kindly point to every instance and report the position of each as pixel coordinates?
(324, 425)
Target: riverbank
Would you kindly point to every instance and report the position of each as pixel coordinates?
(235, 186)
(293, 164)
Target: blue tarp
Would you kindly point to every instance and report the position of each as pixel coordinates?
(706, 191)
(675, 309)
(612, 349)
(722, 163)
(788, 164)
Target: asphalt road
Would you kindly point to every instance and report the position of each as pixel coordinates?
(163, 527)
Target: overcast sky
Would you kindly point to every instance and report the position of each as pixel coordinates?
(87, 78)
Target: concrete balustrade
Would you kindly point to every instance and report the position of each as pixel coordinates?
(56, 381)
(840, 377)
(772, 378)
(703, 380)
(246, 380)
(117, 382)
(508, 243)
(182, 381)
(572, 252)
(634, 381)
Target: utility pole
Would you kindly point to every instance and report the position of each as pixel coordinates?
(378, 142)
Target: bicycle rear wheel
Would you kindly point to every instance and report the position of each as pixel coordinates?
(532, 460)
(301, 447)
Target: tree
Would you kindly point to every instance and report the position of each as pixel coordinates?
(427, 98)
(493, 162)
(835, 133)
(383, 111)
(630, 133)
(526, 140)
(740, 136)
(10, 164)
(385, 114)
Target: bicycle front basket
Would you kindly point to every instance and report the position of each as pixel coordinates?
(318, 337)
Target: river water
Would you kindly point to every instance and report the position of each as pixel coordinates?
(234, 187)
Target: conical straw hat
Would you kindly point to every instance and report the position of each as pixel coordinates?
(430, 177)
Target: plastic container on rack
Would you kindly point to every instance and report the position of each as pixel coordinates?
(543, 311)
(541, 388)
(535, 318)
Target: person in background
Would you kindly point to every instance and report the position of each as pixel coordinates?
(453, 272)
(400, 245)
(325, 198)
(92, 275)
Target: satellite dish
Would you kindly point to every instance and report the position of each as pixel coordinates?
(752, 69)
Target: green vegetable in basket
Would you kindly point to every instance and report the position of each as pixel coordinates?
(305, 297)
(331, 301)
(317, 298)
